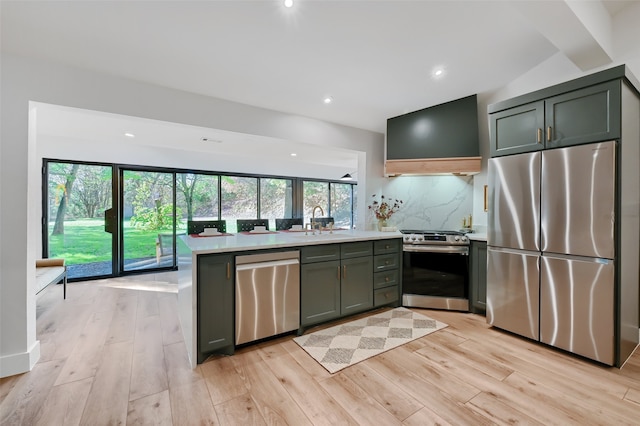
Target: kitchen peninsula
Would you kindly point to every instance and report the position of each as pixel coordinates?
(340, 273)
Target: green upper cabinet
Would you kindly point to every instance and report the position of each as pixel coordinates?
(585, 115)
(517, 129)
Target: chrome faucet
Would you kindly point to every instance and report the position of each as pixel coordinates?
(313, 219)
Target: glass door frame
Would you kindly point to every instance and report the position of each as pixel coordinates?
(116, 218)
(46, 213)
(120, 170)
(117, 206)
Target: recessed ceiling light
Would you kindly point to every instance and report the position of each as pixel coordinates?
(293, 154)
(288, 3)
(328, 99)
(130, 135)
(438, 72)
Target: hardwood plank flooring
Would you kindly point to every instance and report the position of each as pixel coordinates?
(112, 353)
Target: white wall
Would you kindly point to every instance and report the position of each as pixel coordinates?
(430, 202)
(24, 80)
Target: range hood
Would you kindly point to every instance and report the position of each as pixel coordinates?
(459, 166)
(439, 140)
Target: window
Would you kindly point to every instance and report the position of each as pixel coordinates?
(110, 219)
(239, 199)
(197, 198)
(341, 205)
(276, 199)
(336, 199)
(314, 194)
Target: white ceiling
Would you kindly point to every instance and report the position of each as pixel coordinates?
(375, 58)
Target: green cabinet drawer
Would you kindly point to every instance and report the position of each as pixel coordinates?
(385, 261)
(386, 279)
(319, 253)
(387, 246)
(357, 249)
(385, 296)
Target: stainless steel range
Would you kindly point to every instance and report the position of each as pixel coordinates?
(435, 271)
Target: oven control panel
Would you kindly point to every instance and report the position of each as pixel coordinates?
(434, 238)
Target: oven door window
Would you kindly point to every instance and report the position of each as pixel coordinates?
(435, 274)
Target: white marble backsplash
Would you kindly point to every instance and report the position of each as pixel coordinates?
(429, 202)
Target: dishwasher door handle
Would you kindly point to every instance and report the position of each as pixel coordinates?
(269, 264)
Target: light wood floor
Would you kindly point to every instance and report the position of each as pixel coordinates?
(112, 353)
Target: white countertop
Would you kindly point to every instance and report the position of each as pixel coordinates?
(477, 236)
(243, 242)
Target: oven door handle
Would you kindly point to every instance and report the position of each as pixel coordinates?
(463, 250)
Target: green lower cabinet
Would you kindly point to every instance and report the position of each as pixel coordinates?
(478, 278)
(319, 292)
(215, 305)
(356, 290)
(344, 279)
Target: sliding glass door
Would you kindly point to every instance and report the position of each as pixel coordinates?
(148, 220)
(78, 195)
(109, 219)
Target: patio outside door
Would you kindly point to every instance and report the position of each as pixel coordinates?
(148, 220)
(78, 196)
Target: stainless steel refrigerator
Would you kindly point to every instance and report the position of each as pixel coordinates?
(551, 256)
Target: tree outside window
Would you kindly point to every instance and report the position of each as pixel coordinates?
(276, 199)
(239, 199)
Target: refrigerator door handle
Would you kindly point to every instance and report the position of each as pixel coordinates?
(514, 251)
(600, 260)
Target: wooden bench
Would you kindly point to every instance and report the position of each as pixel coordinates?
(51, 271)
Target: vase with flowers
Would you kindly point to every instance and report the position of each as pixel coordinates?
(383, 208)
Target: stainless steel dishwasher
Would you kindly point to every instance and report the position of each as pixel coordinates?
(267, 295)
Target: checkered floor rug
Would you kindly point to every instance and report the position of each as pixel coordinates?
(343, 345)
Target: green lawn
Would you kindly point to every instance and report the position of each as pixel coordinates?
(84, 241)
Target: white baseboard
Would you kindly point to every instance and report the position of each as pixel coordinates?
(19, 363)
